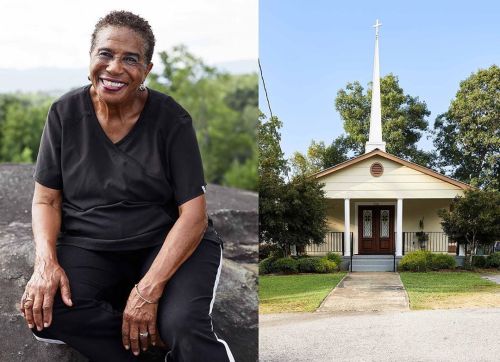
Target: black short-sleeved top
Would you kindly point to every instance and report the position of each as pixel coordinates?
(124, 195)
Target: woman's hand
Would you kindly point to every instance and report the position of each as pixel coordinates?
(139, 322)
(38, 298)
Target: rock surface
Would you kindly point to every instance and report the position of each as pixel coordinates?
(234, 213)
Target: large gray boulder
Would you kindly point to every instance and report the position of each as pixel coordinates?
(234, 213)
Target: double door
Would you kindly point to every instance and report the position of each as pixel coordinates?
(376, 229)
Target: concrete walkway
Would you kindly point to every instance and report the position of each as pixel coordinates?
(492, 277)
(367, 292)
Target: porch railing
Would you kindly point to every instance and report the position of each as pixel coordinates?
(437, 242)
(334, 242)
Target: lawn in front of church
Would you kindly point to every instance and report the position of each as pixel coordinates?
(295, 293)
(445, 290)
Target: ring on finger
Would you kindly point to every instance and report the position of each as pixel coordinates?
(143, 334)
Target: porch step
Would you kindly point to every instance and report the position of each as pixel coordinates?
(372, 263)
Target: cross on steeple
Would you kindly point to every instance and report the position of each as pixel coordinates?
(376, 26)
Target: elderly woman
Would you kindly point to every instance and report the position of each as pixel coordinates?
(119, 214)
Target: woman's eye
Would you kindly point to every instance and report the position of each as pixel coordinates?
(131, 60)
(105, 55)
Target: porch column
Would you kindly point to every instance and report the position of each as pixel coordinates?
(399, 228)
(461, 250)
(347, 228)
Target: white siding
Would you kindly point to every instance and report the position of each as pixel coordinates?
(397, 181)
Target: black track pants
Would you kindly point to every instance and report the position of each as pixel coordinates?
(100, 284)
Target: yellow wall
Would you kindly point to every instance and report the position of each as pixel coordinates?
(397, 181)
(414, 210)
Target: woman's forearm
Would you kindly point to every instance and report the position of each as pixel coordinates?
(46, 222)
(180, 243)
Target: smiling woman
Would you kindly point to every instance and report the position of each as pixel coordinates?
(119, 215)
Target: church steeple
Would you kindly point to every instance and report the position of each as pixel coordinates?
(375, 138)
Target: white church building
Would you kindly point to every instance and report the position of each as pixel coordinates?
(380, 206)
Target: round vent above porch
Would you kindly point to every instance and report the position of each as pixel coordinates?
(376, 169)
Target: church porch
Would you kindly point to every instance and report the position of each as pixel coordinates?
(390, 227)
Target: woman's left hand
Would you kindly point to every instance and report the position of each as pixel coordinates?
(139, 323)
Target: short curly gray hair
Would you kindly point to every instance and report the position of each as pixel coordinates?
(131, 21)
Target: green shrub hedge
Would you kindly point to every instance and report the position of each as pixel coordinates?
(286, 266)
(266, 266)
(479, 261)
(422, 260)
(442, 261)
(308, 265)
(297, 265)
(326, 266)
(415, 261)
(493, 260)
(317, 265)
(336, 258)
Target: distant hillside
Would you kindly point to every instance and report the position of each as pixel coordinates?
(57, 81)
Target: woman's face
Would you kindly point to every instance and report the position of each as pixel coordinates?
(117, 64)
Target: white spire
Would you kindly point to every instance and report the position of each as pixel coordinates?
(375, 138)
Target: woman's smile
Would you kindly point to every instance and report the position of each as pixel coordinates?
(112, 85)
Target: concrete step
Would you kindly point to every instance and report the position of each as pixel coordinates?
(373, 267)
(372, 263)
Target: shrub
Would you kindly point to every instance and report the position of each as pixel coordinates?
(479, 261)
(326, 266)
(308, 264)
(442, 261)
(286, 266)
(336, 258)
(416, 261)
(493, 260)
(316, 265)
(422, 260)
(266, 266)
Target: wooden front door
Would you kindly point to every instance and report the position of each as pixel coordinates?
(376, 229)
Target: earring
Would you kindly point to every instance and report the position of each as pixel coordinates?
(88, 77)
(142, 87)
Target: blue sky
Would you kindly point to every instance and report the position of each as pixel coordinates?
(311, 49)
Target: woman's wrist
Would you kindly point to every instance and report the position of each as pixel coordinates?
(150, 289)
(46, 258)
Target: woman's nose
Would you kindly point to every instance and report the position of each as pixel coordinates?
(115, 66)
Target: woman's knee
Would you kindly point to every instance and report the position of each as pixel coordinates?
(182, 324)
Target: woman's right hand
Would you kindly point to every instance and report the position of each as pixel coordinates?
(38, 297)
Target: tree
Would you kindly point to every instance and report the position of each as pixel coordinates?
(474, 219)
(272, 168)
(224, 112)
(21, 122)
(467, 136)
(305, 213)
(319, 156)
(403, 119)
(292, 213)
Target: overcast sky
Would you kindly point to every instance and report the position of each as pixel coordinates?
(56, 33)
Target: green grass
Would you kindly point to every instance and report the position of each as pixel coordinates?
(295, 293)
(436, 290)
